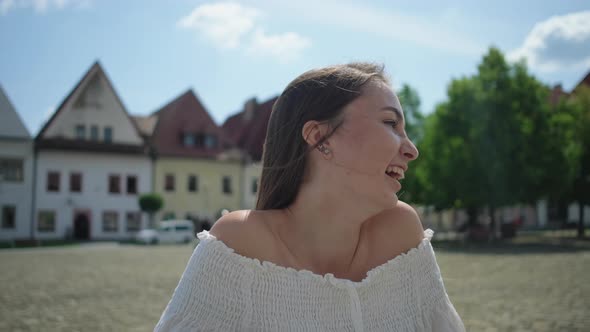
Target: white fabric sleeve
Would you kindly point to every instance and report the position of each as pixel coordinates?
(445, 318)
(209, 295)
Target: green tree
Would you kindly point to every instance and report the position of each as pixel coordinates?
(492, 143)
(151, 203)
(579, 108)
(410, 101)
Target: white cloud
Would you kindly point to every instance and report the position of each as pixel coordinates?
(225, 24)
(285, 47)
(560, 42)
(229, 25)
(41, 6)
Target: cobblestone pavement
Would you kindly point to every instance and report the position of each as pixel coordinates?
(126, 287)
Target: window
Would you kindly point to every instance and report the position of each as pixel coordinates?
(110, 221)
(169, 182)
(11, 170)
(114, 184)
(189, 140)
(94, 133)
(181, 228)
(131, 184)
(193, 184)
(226, 185)
(254, 185)
(80, 132)
(8, 217)
(75, 182)
(108, 134)
(210, 141)
(53, 181)
(133, 220)
(46, 221)
(169, 216)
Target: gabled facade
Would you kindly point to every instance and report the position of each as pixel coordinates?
(91, 165)
(247, 130)
(16, 173)
(196, 171)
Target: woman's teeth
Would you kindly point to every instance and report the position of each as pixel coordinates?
(396, 172)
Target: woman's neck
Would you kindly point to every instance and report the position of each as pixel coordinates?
(323, 229)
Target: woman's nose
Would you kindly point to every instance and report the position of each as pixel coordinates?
(409, 150)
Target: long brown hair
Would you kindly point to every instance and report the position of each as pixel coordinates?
(318, 94)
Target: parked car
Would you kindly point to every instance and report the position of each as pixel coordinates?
(170, 231)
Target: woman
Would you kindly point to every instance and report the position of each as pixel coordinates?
(329, 246)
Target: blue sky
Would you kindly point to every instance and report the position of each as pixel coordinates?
(229, 52)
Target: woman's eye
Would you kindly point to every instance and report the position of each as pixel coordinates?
(391, 123)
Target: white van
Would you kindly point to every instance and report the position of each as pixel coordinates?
(170, 231)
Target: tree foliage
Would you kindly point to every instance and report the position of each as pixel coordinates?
(496, 141)
(576, 116)
(150, 203)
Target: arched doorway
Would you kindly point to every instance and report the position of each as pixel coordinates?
(81, 226)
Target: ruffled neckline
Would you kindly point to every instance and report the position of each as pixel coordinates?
(208, 239)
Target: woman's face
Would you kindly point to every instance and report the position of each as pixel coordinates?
(370, 149)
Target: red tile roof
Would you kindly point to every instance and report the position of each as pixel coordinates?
(185, 114)
(247, 128)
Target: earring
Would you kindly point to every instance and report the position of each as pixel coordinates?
(323, 149)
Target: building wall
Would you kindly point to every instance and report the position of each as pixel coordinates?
(18, 194)
(209, 199)
(573, 213)
(252, 174)
(94, 197)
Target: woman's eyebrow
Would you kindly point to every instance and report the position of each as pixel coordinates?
(394, 110)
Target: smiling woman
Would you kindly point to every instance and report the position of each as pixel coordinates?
(329, 246)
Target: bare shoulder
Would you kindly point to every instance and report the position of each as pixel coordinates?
(245, 231)
(396, 230)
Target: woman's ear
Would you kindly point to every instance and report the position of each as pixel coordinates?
(313, 132)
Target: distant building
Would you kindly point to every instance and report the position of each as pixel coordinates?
(91, 165)
(16, 173)
(197, 170)
(247, 130)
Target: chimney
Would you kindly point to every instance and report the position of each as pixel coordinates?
(249, 108)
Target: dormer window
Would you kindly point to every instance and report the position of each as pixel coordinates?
(189, 140)
(199, 140)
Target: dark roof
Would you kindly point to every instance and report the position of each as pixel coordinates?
(557, 94)
(95, 69)
(185, 114)
(584, 82)
(248, 131)
(88, 146)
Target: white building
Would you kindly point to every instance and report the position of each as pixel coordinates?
(91, 166)
(16, 173)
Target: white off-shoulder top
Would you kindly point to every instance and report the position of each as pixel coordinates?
(221, 290)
